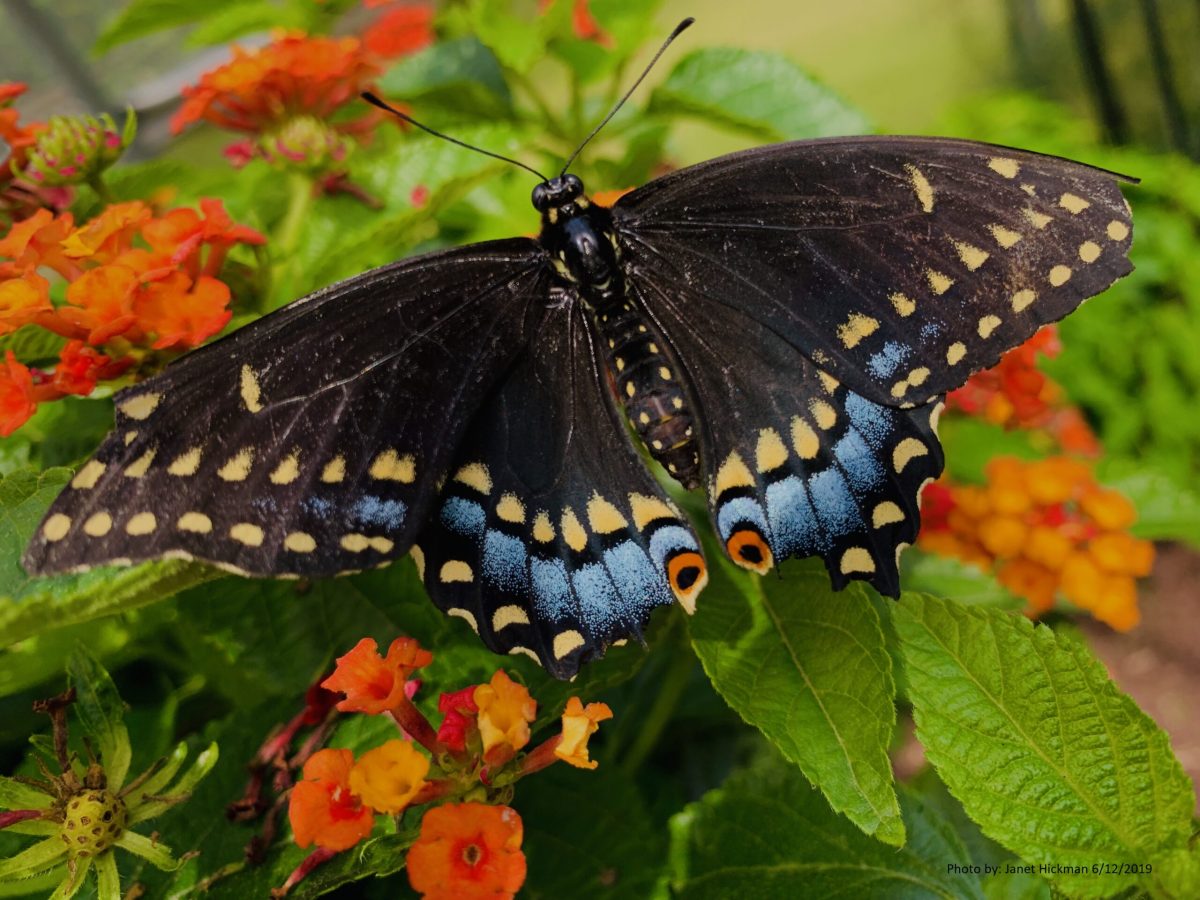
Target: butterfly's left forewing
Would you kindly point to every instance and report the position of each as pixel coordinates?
(311, 441)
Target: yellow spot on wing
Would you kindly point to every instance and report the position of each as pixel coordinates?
(886, 513)
(664, 373)
(335, 470)
(141, 406)
(56, 527)
(248, 534)
(956, 352)
(251, 392)
(824, 414)
(238, 468)
(902, 304)
(771, 452)
(418, 556)
(828, 382)
(856, 328)
(88, 475)
(98, 525)
(509, 615)
(1005, 237)
(288, 469)
(971, 255)
(186, 463)
(906, 451)
(1060, 275)
(733, 473)
(1073, 204)
(857, 559)
(456, 570)
(510, 509)
(921, 187)
(938, 282)
(567, 641)
(917, 376)
(804, 439)
(1002, 165)
(987, 325)
(1022, 299)
(648, 509)
(194, 521)
(390, 466)
(1036, 219)
(141, 466)
(1117, 230)
(1089, 251)
(573, 533)
(300, 542)
(463, 614)
(604, 517)
(543, 531)
(142, 523)
(129, 437)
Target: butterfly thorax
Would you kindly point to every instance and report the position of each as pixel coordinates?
(583, 245)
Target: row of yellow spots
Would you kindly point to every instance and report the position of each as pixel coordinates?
(564, 644)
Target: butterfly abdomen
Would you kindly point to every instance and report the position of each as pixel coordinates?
(646, 381)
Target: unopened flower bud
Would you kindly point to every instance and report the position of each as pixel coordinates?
(305, 143)
(77, 149)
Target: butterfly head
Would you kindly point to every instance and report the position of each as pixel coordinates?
(559, 194)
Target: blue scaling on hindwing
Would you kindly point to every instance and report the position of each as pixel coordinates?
(504, 562)
(872, 421)
(738, 510)
(669, 539)
(888, 360)
(378, 511)
(551, 588)
(597, 597)
(794, 526)
(640, 585)
(834, 504)
(859, 462)
(465, 517)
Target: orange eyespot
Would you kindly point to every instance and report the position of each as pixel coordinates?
(747, 548)
(688, 576)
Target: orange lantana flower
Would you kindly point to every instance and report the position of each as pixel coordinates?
(579, 723)
(36, 242)
(323, 808)
(399, 31)
(261, 88)
(468, 851)
(22, 300)
(505, 711)
(16, 395)
(375, 684)
(388, 777)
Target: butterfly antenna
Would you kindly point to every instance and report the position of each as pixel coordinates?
(679, 29)
(375, 101)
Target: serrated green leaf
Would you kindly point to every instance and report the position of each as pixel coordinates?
(15, 795)
(763, 93)
(810, 669)
(142, 17)
(32, 605)
(1039, 746)
(462, 74)
(944, 576)
(767, 834)
(101, 712)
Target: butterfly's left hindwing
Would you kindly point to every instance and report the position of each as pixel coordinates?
(311, 441)
(795, 464)
(551, 538)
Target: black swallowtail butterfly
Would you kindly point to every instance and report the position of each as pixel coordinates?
(778, 326)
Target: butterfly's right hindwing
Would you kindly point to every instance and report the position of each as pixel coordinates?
(311, 441)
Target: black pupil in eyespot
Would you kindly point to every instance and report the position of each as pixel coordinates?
(687, 577)
(753, 554)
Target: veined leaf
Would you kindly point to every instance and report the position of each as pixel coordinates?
(463, 73)
(766, 94)
(143, 17)
(810, 669)
(102, 714)
(767, 834)
(1042, 750)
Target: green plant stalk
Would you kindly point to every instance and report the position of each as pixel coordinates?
(670, 692)
(287, 235)
(97, 184)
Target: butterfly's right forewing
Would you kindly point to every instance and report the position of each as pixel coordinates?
(310, 442)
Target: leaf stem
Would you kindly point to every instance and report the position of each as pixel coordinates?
(669, 692)
(287, 234)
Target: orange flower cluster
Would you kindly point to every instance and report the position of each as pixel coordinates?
(1016, 394)
(402, 29)
(1046, 528)
(465, 850)
(135, 282)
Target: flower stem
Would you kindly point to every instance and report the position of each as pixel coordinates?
(287, 235)
(97, 184)
(668, 694)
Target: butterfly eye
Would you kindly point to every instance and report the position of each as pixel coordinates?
(748, 549)
(541, 198)
(572, 187)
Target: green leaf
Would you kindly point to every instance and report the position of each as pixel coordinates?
(767, 834)
(765, 94)
(944, 576)
(972, 443)
(242, 18)
(177, 792)
(33, 860)
(73, 881)
(15, 795)
(108, 880)
(808, 667)
(101, 712)
(1039, 746)
(150, 849)
(1168, 507)
(142, 17)
(462, 74)
(32, 605)
(517, 42)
